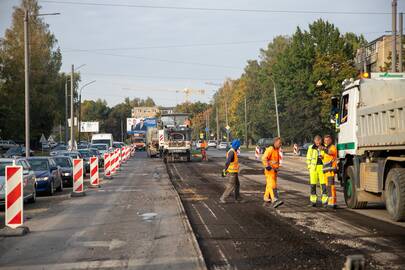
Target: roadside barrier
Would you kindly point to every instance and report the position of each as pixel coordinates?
(94, 175)
(257, 152)
(107, 166)
(14, 196)
(78, 187)
(117, 159)
(123, 154)
(112, 163)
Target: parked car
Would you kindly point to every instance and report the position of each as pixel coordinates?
(101, 147)
(7, 144)
(95, 153)
(223, 146)
(18, 151)
(302, 151)
(212, 144)
(29, 183)
(85, 153)
(66, 166)
(58, 148)
(47, 173)
(73, 155)
(263, 143)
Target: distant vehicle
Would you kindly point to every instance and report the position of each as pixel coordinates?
(7, 144)
(212, 143)
(18, 151)
(85, 153)
(102, 138)
(45, 145)
(48, 174)
(140, 143)
(222, 146)
(66, 166)
(95, 153)
(29, 190)
(101, 147)
(302, 151)
(82, 146)
(118, 145)
(58, 148)
(263, 143)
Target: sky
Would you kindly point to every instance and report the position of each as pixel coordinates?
(137, 51)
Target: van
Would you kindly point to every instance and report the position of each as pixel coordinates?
(104, 138)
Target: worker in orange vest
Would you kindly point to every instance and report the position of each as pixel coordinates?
(329, 161)
(232, 172)
(271, 164)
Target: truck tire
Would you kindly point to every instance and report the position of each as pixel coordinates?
(188, 156)
(395, 193)
(350, 190)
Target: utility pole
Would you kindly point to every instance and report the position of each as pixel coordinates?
(226, 121)
(217, 119)
(394, 36)
(401, 33)
(276, 105)
(27, 84)
(246, 135)
(66, 114)
(72, 122)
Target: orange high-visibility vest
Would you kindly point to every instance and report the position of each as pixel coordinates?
(233, 166)
(271, 157)
(329, 159)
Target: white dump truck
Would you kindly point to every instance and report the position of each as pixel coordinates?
(370, 117)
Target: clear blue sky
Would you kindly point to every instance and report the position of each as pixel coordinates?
(195, 43)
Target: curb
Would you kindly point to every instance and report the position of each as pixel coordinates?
(186, 223)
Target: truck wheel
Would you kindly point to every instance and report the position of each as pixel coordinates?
(350, 191)
(395, 193)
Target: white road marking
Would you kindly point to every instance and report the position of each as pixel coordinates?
(209, 209)
(202, 220)
(113, 244)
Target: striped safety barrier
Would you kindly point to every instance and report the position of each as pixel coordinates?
(107, 165)
(117, 159)
(112, 163)
(94, 176)
(78, 188)
(14, 196)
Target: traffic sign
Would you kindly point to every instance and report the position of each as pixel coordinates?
(43, 139)
(227, 127)
(207, 129)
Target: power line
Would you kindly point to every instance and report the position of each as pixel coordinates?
(164, 60)
(219, 9)
(150, 76)
(166, 47)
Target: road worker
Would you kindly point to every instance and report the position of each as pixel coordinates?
(271, 163)
(231, 171)
(204, 146)
(329, 168)
(315, 167)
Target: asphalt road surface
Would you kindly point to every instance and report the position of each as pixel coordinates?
(252, 235)
(134, 221)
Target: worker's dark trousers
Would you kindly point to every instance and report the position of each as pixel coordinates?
(232, 186)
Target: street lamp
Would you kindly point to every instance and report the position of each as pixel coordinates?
(80, 104)
(27, 78)
(276, 105)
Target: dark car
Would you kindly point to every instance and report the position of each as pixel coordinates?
(57, 149)
(47, 173)
(263, 143)
(66, 166)
(95, 153)
(86, 155)
(302, 151)
(18, 151)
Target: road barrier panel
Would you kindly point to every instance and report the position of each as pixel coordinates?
(14, 202)
(107, 166)
(123, 154)
(117, 159)
(94, 175)
(112, 163)
(78, 185)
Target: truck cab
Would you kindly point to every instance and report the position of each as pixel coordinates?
(370, 121)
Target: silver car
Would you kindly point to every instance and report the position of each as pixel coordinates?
(29, 180)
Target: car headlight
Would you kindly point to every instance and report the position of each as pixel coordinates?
(42, 178)
(66, 174)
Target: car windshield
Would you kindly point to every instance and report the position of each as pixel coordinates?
(3, 167)
(107, 142)
(63, 162)
(39, 164)
(85, 153)
(94, 152)
(100, 146)
(14, 150)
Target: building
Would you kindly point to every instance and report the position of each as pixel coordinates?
(166, 110)
(375, 56)
(144, 112)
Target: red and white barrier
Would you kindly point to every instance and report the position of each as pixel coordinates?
(257, 152)
(107, 165)
(117, 159)
(94, 176)
(78, 188)
(112, 163)
(14, 196)
(123, 154)
(128, 152)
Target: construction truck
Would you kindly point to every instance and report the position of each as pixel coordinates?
(138, 140)
(152, 142)
(174, 137)
(370, 120)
